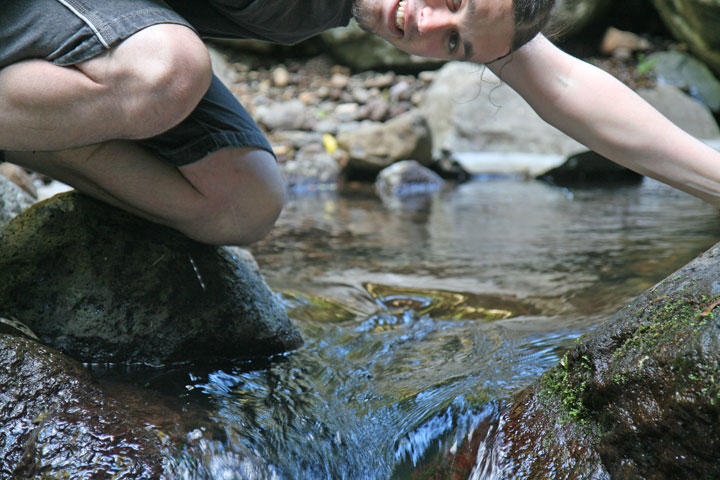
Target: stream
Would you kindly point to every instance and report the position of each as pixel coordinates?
(419, 320)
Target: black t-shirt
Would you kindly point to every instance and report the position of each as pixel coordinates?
(280, 21)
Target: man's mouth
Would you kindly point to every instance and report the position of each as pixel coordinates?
(400, 16)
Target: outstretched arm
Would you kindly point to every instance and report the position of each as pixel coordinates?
(599, 111)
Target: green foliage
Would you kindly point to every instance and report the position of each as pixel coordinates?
(569, 385)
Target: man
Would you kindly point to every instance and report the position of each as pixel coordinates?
(117, 98)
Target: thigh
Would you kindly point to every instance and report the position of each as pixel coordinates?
(66, 32)
(218, 122)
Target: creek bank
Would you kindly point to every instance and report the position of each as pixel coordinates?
(101, 285)
(638, 397)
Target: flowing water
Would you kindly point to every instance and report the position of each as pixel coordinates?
(419, 320)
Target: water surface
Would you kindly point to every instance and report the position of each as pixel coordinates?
(419, 320)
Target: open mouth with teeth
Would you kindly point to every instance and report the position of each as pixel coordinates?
(400, 16)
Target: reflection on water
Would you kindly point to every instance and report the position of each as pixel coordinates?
(417, 323)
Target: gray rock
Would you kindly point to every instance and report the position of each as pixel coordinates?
(469, 109)
(56, 423)
(290, 115)
(695, 22)
(313, 169)
(685, 112)
(682, 70)
(104, 286)
(13, 200)
(407, 182)
(374, 146)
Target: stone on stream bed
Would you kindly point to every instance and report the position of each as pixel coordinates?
(637, 398)
(101, 285)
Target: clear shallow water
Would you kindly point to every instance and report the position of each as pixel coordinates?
(418, 322)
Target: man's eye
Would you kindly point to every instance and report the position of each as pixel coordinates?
(453, 41)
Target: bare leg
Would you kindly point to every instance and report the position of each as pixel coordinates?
(233, 196)
(140, 88)
(77, 121)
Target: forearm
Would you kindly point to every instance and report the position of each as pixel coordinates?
(600, 112)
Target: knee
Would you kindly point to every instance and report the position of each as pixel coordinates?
(164, 72)
(242, 199)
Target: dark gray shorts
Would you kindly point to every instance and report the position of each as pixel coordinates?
(66, 32)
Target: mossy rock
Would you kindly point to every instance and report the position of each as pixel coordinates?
(104, 286)
(640, 396)
(637, 398)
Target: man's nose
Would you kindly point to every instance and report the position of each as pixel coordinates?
(432, 19)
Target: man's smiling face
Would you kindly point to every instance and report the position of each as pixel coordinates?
(475, 30)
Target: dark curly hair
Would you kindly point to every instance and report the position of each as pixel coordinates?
(530, 17)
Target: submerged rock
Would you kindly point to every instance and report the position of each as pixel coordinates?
(637, 398)
(407, 182)
(105, 286)
(57, 424)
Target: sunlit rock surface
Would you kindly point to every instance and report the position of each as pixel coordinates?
(57, 424)
(637, 398)
(374, 146)
(104, 286)
(469, 109)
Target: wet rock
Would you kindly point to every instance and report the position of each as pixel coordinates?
(589, 168)
(468, 109)
(695, 22)
(407, 183)
(57, 423)
(104, 286)
(374, 146)
(13, 200)
(312, 170)
(685, 72)
(638, 397)
(685, 112)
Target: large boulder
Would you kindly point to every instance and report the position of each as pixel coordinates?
(105, 286)
(695, 22)
(639, 397)
(56, 423)
(469, 109)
